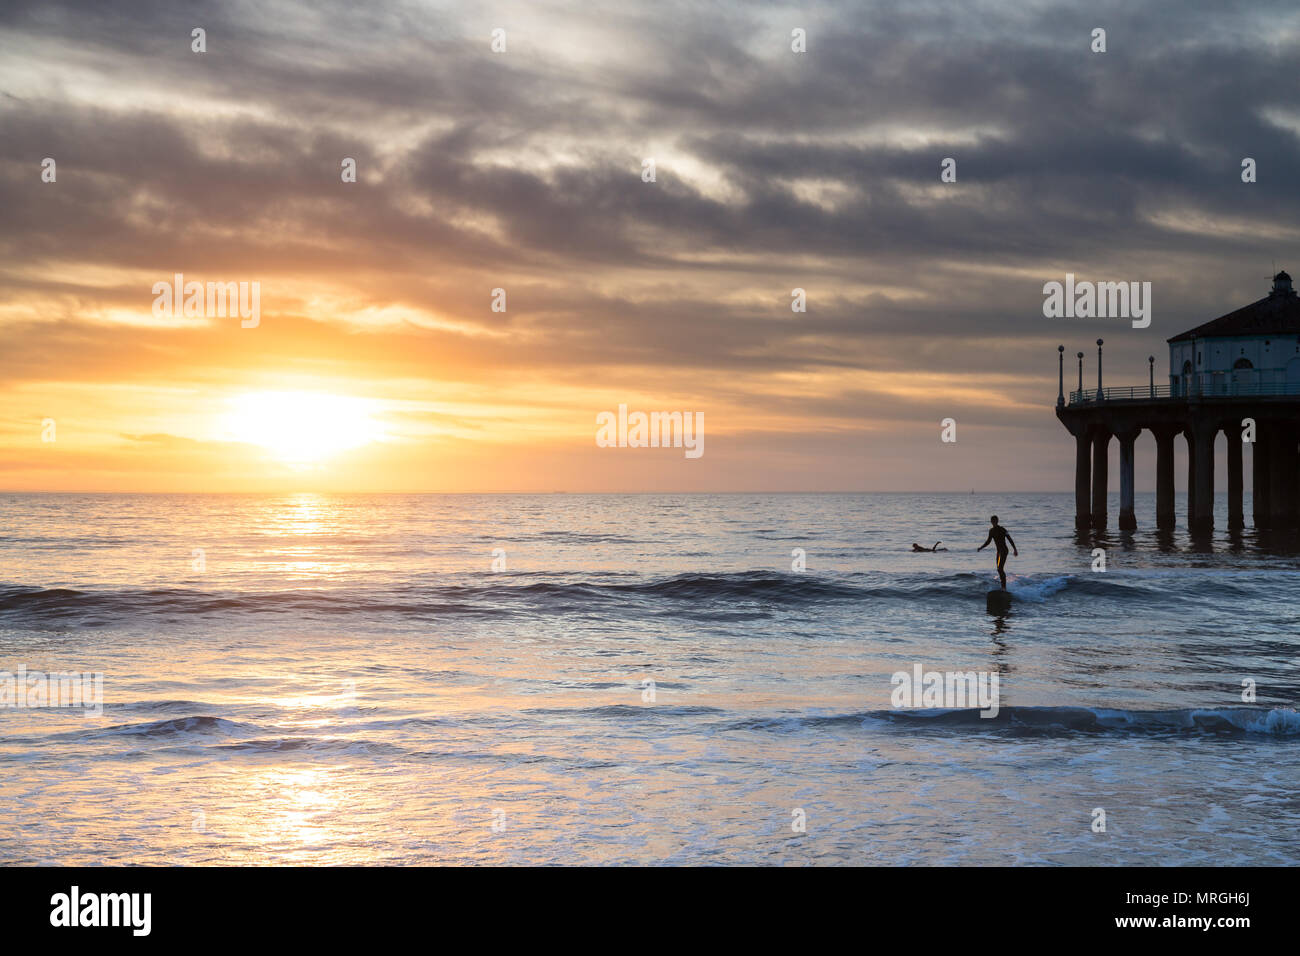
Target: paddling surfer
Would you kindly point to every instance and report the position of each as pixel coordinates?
(1000, 536)
(918, 549)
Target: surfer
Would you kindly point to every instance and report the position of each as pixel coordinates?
(999, 536)
(917, 548)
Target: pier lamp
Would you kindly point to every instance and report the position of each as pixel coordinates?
(1060, 386)
(1151, 368)
(1100, 393)
(1080, 376)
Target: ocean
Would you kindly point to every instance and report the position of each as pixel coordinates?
(639, 679)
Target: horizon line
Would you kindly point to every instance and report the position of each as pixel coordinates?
(968, 492)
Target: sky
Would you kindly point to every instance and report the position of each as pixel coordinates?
(377, 362)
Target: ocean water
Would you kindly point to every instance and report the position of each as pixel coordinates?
(346, 679)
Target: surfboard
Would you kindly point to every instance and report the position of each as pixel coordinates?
(998, 601)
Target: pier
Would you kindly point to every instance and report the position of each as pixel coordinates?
(1241, 368)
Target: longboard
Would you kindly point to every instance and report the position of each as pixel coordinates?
(998, 601)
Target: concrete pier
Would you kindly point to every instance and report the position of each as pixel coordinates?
(1282, 477)
(1274, 457)
(1082, 480)
(1165, 517)
(1279, 501)
(1243, 365)
(1201, 512)
(1100, 462)
(1260, 468)
(1236, 515)
(1127, 519)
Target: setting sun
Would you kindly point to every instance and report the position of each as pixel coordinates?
(301, 427)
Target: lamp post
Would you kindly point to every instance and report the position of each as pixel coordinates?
(1151, 367)
(1080, 376)
(1060, 387)
(1100, 393)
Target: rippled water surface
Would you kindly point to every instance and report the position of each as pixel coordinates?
(317, 679)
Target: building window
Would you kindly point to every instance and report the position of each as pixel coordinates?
(1242, 363)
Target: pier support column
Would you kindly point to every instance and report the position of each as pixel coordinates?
(1280, 452)
(1127, 519)
(1100, 446)
(1236, 513)
(1165, 478)
(1285, 452)
(1203, 511)
(1260, 470)
(1289, 476)
(1282, 475)
(1082, 480)
(1191, 476)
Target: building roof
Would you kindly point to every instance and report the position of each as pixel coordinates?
(1278, 313)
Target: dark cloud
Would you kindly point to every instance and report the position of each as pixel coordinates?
(523, 170)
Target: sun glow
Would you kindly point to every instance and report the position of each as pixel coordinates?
(301, 427)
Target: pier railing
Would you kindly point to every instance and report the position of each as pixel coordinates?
(1182, 392)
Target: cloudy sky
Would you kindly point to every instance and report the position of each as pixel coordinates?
(377, 349)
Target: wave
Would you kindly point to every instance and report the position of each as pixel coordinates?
(524, 593)
(625, 712)
(196, 733)
(64, 606)
(196, 725)
(1026, 721)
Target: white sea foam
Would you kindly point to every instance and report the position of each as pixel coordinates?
(1037, 590)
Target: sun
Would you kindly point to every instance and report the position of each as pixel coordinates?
(301, 427)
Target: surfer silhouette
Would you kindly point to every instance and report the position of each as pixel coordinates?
(1000, 536)
(916, 547)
